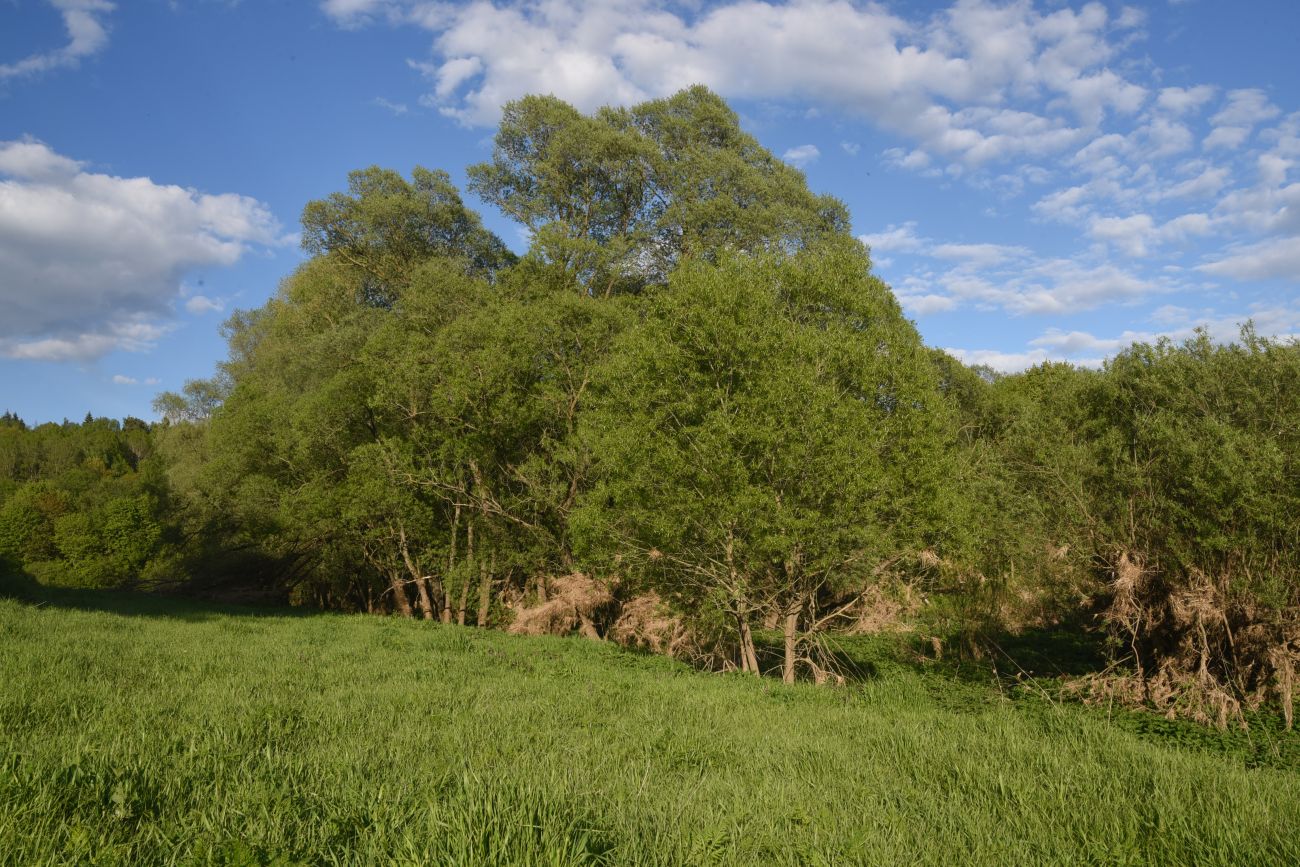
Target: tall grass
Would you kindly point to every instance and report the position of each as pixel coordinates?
(169, 733)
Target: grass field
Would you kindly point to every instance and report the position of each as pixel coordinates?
(146, 731)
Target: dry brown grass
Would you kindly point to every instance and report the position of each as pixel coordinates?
(574, 603)
(1198, 649)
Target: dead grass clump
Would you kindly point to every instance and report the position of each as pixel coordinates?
(645, 623)
(1199, 649)
(886, 609)
(574, 603)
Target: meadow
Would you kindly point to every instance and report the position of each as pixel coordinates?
(146, 730)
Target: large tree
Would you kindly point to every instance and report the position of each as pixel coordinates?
(766, 440)
(613, 201)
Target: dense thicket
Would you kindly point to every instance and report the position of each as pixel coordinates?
(86, 504)
(688, 398)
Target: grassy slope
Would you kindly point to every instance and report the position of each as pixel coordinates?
(170, 733)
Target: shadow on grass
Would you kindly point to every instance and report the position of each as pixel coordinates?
(23, 588)
(1031, 669)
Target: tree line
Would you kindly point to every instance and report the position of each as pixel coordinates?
(691, 389)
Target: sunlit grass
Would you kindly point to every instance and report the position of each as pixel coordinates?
(163, 732)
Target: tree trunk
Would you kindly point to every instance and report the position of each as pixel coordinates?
(421, 589)
(485, 589)
(791, 640)
(469, 570)
(399, 593)
(426, 602)
(748, 657)
(451, 568)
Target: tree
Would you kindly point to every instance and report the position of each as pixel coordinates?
(765, 441)
(386, 226)
(1198, 446)
(615, 200)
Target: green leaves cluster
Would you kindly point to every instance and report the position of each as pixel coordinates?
(86, 504)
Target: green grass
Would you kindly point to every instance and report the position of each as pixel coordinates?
(143, 731)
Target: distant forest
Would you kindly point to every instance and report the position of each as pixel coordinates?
(688, 415)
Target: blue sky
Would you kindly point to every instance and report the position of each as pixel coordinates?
(1037, 180)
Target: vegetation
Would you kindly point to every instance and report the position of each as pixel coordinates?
(144, 730)
(687, 416)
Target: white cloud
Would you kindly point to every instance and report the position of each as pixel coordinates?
(1226, 138)
(1181, 100)
(1273, 259)
(1067, 286)
(1274, 321)
(948, 83)
(979, 255)
(90, 262)
(87, 34)
(397, 108)
(1011, 278)
(1204, 185)
(199, 304)
(130, 336)
(926, 304)
(1135, 235)
(916, 159)
(1245, 108)
(1089, 350)
(352, 12)
(1007, 96)
(1003, 362)
(1163, 137)
(122, 379)
(899, 239)
(802, 155)
(1233, 123)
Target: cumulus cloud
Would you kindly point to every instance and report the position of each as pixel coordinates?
(976, 82)
(1006, 96)
(1273, 259)
(87, 34)
(1090, 350)
(122, 379)
(200, 304)
(1181, 100)
(1010, 278)
(1136, 234)
(801, 156)
(1245, 108)
(979, 255)
(1003, 362)
(92, 262)
(926, 303)
(901, 239)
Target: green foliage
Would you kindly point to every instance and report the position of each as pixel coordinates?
(614, 201)
(86, 504)
(770, 434)
(386, 226)
(1201, 449)
(27, 521)
(111, 545)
